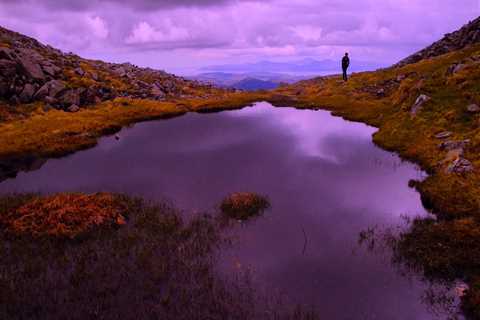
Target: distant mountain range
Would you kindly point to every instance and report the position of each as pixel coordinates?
(303, 66)
(248, 81)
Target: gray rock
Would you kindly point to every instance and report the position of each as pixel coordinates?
(51, 70)
(452, 145)
(55, 87)
(69, 97)
(14, 99)
(27, 93)
(6, 53)
(8, 68)
(443, 135)
(73, 108)
(473, 108)
(401, 77)
(120, 71)
(80, 71)
(4, 87)
(94, 76)
(50, 100)
(460, 165)
(157, 93)
(31, 68)
(47, 107)
(51, 88)
(42, 92)
(455, 68)
(421, 100)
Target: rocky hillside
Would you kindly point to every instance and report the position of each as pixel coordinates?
(467, 35)
(31, 71)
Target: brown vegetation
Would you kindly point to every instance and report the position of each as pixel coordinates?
(155, 266)
(244, 205)
(63, 215)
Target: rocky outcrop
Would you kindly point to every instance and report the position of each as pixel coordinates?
(421, 100)
(31, 71)
(467, 35)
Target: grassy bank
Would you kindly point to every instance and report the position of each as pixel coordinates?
(56, 133)
(450, 246)
(68, 256)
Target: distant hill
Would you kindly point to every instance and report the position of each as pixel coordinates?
(252, 84)
(304, 67)
(467, 35)
(248, 81)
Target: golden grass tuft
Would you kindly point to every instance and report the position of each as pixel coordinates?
(64, 215)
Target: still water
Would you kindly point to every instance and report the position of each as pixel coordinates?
(325, 179)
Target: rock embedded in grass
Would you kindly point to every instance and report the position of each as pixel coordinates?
(244, 205)
(473, 108)
(421, 100)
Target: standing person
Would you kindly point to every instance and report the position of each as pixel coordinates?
(345, 65)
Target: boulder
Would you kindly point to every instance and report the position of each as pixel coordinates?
(55, 87)
(42, 92)
(421, 100)
(51, 70)
(31, 68)
(80, 71)
(51, 88)
(14, 99)
(27, 93)
(6, 53)
(381, 92)
(157, 93)
(473, 108)
(73, 108)
(69, 97)
(443, 135)
(8, 69)
(4, 87)
(50, 100)
(455, 68)
(460, 165)
(452, 145)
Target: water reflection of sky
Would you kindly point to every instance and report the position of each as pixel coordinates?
(309, 131)
(321, 173)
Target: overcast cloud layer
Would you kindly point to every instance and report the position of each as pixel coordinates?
(177, 35)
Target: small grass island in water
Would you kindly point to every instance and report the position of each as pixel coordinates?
(244, 205)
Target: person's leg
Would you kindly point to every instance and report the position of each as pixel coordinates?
(344, 74)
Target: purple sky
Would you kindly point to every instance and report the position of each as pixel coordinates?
(180, 35)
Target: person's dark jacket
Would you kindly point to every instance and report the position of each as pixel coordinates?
(345, 62)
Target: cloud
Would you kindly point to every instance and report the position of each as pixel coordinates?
(145, 33)
(142, 5)
(98, 27)
(195, 32)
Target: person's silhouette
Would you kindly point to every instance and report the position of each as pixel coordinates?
(345, 65)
